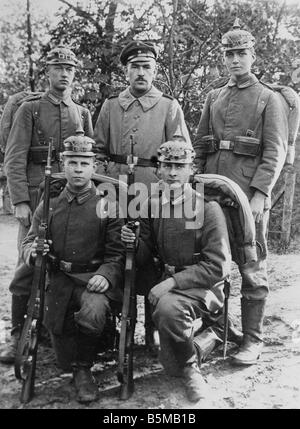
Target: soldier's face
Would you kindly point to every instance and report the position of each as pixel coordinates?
(78, 171)
(239, 61)
(174, 174)
(140, 76)
(60, 76)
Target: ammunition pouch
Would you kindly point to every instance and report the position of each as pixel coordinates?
(208, 144)
(38, 154)
(240, 145)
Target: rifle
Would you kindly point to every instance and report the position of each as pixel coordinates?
(225, 334)
(128, 317)
(26, 356)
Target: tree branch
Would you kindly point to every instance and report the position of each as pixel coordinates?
(88, 16)
(278, 19)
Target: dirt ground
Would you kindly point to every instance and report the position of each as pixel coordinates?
(273, 383)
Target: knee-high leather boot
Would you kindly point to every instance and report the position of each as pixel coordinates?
(18, 312)
(85, 384)
(252, 325)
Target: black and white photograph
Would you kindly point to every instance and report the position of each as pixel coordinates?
(150, 207)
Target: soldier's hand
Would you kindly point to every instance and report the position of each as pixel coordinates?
(40, 246)
(257, 204)
(23, 213)
(161, 289)
(98, 284)
(128, 235)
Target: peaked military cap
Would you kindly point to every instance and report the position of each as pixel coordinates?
(79, 145)
(176, 151)
(138, 50)
(62, 55)
(237, 38)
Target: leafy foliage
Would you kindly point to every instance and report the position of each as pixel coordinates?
(187, 31)
(14, 60)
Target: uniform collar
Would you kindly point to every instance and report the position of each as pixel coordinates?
(55, 99)
(248, 80)
(147, 101)
(81, 196)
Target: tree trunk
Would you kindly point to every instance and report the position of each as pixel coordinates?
(29, 47)
(109, 32)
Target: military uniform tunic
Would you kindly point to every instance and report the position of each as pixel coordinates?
(233, 111)
(238, 109)
(151, 119)
(79, 236)
(56, 118)
(34, 124)
(201, 256)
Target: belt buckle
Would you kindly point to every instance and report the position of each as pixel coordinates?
(170, 269)
(65, 266)
(135, 160)
(224, 144)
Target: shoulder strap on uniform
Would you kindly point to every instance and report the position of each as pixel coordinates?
(214, 96)
(168, 96)
(113, 96)
(35, 106)
(217, 83)
(260, 108)
(31, 96)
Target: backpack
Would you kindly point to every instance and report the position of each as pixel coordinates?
(238, 215)
(9, 112)
(237, 211)
(291, 105)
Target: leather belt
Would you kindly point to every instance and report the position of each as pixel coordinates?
(141, 162)
(71, 267)
(241, 145)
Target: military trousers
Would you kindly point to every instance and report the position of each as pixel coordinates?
(254, 274)
(22, 280)
(86, 311)
(173, 316)
(69, 306)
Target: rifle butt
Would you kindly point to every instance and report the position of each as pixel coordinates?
(126, 390)
(225, 337)
(27, 391)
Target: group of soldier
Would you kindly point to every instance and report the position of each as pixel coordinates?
(242, 135)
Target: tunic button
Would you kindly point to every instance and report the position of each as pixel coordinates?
(134, 129)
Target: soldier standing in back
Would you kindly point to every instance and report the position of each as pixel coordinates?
(142, 111)
(54, 116)
(242, 134)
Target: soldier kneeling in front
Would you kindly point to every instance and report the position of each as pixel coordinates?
(86, 254)
(194, 250)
